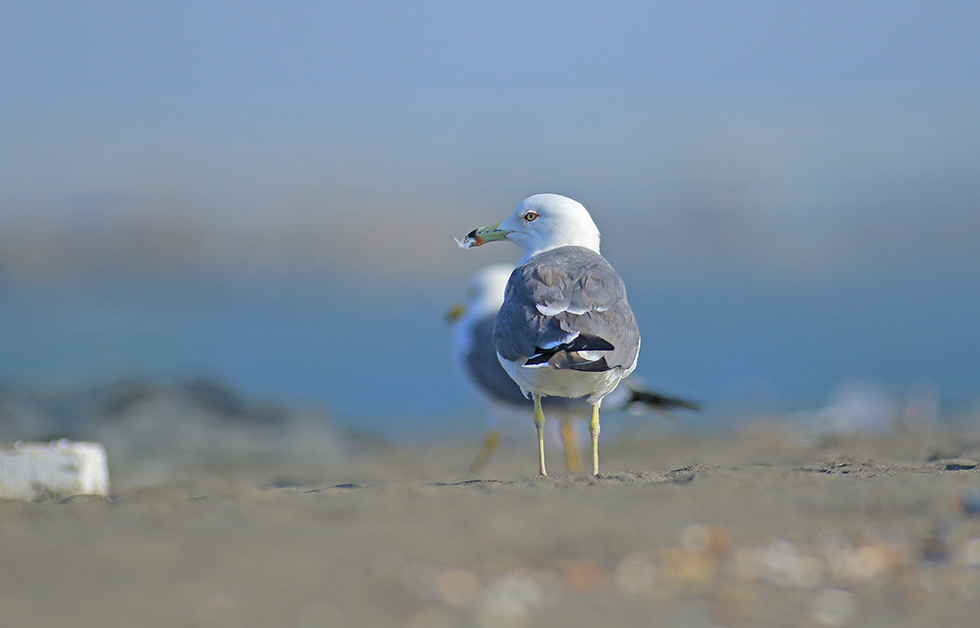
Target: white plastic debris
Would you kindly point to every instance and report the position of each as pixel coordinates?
(39, 471)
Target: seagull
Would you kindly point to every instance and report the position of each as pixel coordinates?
(565, 328)
(476, 359)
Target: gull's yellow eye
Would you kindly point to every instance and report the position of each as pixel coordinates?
(530, 216)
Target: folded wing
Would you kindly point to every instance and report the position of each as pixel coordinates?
(566, 308)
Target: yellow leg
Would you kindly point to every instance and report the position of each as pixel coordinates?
(570, 437)
(594, 432)
(539, 423)
(489, 446)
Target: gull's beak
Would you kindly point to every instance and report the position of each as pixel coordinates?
(454, 313)
(481, 236)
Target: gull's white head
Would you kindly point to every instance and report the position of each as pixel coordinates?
(541, 222)
(484, 294)
(485, 290)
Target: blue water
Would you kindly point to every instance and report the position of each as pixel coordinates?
(379, 358)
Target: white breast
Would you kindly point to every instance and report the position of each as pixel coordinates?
(564, 383)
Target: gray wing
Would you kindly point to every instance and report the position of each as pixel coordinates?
(567, 306)
(490, 376)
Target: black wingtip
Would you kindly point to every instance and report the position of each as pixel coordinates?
(661, 402)
(586, 342)
(566, 356)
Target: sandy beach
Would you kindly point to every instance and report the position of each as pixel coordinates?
(764, 527)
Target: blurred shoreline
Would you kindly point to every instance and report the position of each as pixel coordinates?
(157, 432)
(735, 342)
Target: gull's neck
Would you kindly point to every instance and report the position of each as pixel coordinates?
(585, 240)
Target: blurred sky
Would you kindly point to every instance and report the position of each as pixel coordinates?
(215, 144)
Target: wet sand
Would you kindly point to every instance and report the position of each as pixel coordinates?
(761, 528)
